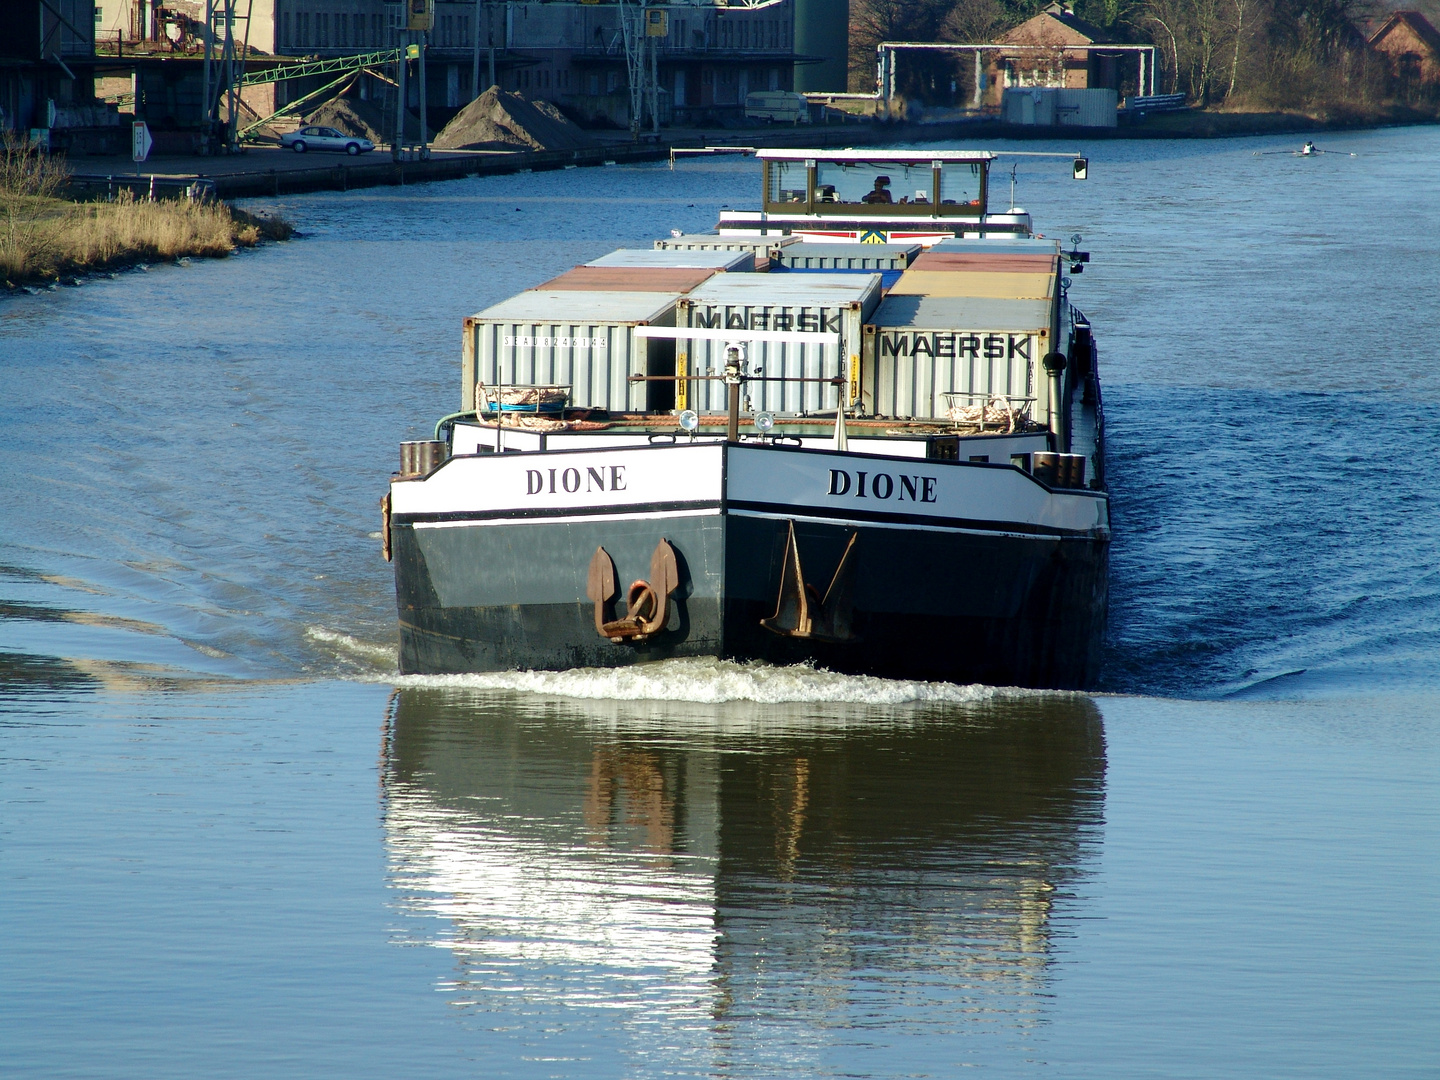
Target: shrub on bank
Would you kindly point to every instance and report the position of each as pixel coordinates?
(43, 236)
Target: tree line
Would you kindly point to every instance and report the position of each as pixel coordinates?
(1254, 55)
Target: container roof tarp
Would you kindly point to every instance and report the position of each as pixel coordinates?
(550, 306)
(787, 290)
(987, 262)
(961, 283)
(676, 279)
(1027, 245)
(866, 154)
(950, 313)
(693, 259)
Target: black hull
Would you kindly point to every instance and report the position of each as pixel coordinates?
(943, 604)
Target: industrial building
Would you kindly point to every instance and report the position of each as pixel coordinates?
(709, 55)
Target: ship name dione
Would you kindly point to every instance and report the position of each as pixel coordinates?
(573, 480)
(867, 485)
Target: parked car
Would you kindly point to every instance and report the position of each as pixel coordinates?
(325, 138)
(777, 106)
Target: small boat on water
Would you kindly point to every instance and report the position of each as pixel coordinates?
(859, 427)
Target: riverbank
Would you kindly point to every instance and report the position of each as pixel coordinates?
(265, 171)
(45, 239)
(268, 171)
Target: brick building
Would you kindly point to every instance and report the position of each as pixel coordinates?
(1412, 45)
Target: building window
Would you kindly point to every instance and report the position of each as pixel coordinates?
(99, 14)
(612, 80)
(594, 85)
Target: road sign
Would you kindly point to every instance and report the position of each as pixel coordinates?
(143, 142)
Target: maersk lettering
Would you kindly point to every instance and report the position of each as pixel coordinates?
(813, 320)
(865, 485)
(955, 346)
(594, 478)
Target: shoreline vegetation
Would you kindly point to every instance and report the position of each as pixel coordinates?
(45, 237)
(1306, 58)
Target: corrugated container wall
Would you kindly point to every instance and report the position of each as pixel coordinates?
(919, 348)
(582, 340)
(756, 245)
(1059, 107)
(873, 257)
(825, 303)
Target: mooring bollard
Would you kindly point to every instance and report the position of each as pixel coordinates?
(422, 457)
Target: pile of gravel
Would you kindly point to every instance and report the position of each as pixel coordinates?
(501, 120)
(363, 119)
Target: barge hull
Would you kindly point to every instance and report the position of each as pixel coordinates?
(929, 603)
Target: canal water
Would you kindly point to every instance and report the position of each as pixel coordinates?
(234, 843)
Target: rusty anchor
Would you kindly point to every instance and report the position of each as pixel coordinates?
(800, 612)
(647, 602)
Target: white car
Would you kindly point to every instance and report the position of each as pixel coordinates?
(325, 138)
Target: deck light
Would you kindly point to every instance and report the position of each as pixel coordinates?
(689, 420)
(764, 421)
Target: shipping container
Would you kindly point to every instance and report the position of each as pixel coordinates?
(756, 245)
(918, 349)
(887, 260)
(997, 286)
(988, 262)
(875, 258)
(664, 279)
(824, 303)
(689, 258)
(1007, 245)
(584, 341)
(1059, 107)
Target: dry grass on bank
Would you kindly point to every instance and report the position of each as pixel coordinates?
(43, 237)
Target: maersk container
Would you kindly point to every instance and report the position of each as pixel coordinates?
(584, 341)
(832, 303)
(756, 245)
(918, 349)
(685, 259)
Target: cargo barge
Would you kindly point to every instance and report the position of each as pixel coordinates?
(846, 430)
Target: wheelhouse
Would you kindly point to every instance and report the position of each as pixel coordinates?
(876, 183)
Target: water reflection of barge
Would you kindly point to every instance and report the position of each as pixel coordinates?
(776, 446)
(570, 860)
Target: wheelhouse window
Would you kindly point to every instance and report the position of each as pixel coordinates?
(960, 183)
(788, 181)
(855, 183)
(856, 187)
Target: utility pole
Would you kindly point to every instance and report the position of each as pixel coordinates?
(397, 146)
(424, 125)
(475, 60)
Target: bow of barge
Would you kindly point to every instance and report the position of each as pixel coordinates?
(768, 443)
